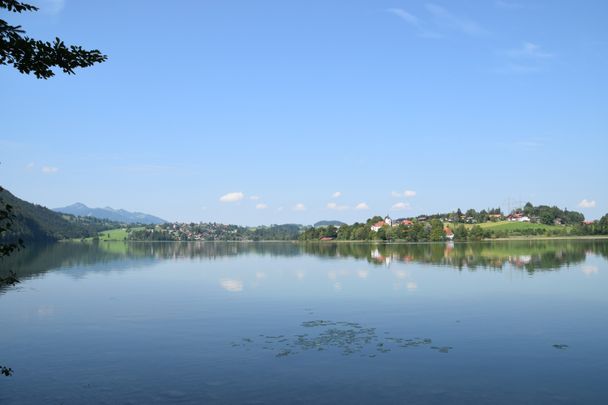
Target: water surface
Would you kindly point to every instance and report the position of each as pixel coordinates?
(501, 322)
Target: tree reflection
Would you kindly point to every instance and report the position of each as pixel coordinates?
(531, 256)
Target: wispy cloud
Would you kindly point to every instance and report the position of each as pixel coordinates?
(447, 20)
(299, 207)
(406, 194)
(261, 206)
(362, 206)
(49, 169)
(337, 194)
(334, 206)
(528, 50)
(526, 58)
(30, 166)
(401, 206)
(52, 6)
(254, 197)
(420, 27)
(232, 197)
(508, 5)
(586, 203)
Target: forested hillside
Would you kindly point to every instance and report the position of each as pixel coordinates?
(32, 222)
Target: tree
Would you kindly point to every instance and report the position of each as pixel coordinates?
(476, 233)
(6, 248)
(436, 230)
(29, 55)
(461, 233)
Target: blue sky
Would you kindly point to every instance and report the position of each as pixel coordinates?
(301, 111)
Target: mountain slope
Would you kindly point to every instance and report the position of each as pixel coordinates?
(111, 214)
(34, 222)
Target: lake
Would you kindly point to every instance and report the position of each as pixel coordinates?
(153, 323)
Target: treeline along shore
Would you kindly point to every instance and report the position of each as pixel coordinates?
(33, 223)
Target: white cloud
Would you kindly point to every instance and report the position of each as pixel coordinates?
(261, 206)
(231, 285)
(401, 206)
(49, 169)
(362, 206)
(336, 194)
(334, 206)
(395, 194)
(254, 197)
(587, 203)
(299, 207)
(232, 197)
(30, 166)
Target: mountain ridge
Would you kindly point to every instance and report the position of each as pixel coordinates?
(109, 213)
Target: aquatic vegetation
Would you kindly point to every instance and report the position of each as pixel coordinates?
(346, 337)
(442, 349)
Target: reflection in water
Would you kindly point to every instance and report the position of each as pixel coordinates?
(589, 270)
(526, 255)
(109, 318)
(347, 337)
(232, 285)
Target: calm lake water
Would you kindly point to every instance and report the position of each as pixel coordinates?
(139, 323)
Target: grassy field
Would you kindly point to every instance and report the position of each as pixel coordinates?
(113, 234)
(517, 226)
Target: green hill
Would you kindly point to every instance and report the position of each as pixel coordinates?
(34, 222)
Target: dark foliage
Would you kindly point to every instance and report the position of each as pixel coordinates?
(32, 56)
(35, 223)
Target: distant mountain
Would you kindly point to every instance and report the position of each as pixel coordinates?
(328, 223)
(32, 222)
(111, 214)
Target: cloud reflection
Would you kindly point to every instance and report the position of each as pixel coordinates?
(589, 270)
(231, 285)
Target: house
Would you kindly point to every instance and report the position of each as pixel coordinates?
(449, 235)
(422, 218)
(388, 220)
(377, 226)
(516, 217)
(407, 222)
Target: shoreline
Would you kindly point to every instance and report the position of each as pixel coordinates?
(396, 242)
